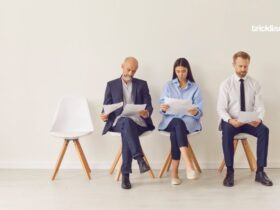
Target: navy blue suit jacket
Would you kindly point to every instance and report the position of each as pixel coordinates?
(140, 95)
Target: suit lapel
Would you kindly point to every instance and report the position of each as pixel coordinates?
(134, 90)
(120, 88)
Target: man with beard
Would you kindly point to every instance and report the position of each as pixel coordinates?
(129, 90)
(242, 93)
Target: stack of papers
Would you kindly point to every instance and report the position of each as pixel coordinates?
(246, 117)
(132, 109)
(128, 110)
(178, 106)
(112, 107)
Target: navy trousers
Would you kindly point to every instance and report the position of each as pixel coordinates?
(131, 147)
(261, 133)
(178, 137)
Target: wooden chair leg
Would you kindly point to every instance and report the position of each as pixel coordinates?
(119, 168)
(235, 143)
(169, 162)
(60, 158)
(83, 156)
(81, 159)
(249, 154)
(116, 160)
(150, 171)
(193, 159)
(222, 166)
(165, 165)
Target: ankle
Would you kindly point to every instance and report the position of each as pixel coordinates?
(230, 169)
(125, 175)
(174, 174)
(140, 159)
(260, 169)
(189, 168)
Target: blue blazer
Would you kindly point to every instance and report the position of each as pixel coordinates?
(140, 95)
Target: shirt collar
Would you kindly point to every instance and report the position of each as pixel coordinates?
(176, 82)
(126, 84)
(237, 78)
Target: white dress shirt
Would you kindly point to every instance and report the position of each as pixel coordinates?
(229, 97)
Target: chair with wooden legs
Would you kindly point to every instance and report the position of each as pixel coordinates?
(117, 163)
(167, 163)
(247, 149)
(72, 121)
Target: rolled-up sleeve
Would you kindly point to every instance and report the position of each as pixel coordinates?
(198, 102)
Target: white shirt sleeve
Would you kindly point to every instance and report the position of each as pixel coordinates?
(222, 105)
(259, 105)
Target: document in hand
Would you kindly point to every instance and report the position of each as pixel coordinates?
(112, 107)
(247, 117)
(132, 109)
(178, 106)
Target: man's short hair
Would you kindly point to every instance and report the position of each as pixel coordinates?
(241, 54)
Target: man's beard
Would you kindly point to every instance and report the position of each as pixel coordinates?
(127, 78)
(242, 74)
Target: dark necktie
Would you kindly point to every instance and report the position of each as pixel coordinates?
(242, 96)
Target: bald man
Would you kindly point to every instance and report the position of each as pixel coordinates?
(129, 90)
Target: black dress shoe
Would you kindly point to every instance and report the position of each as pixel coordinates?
(263, 178)
(126, 183)
(143, 166)
(229, 179)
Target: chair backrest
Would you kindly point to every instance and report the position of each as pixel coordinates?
(72, 115)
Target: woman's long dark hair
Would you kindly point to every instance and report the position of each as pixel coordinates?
(185, 63)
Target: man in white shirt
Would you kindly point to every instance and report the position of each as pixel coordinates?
(242, 93)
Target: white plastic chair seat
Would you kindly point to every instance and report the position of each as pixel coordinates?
(241, 136)
(70, 135)
(117, 134)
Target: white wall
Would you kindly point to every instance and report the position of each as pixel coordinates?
(52, 48)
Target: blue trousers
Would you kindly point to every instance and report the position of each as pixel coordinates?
(131, 147)
(178, 137)
(261, 133)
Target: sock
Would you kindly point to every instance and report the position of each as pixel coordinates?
(139, 158)
(259, 169)
(230, 169)
(125, 175)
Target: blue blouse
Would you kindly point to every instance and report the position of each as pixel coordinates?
(190, 92)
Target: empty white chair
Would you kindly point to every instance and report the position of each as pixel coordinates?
(72, 121)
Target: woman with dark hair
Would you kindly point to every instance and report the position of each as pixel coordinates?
(182, 86)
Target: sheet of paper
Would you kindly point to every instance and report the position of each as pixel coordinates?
(178, 106)
(247, 117)
(112, 107)
(132, 109)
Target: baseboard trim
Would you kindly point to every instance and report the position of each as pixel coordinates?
(106, 165)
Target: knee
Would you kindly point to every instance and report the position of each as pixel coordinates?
(264, 130)
(227, 128)
(178, 122)
(126, 124)
(127, 121)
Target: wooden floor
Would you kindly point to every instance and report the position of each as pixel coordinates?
(33, 189)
